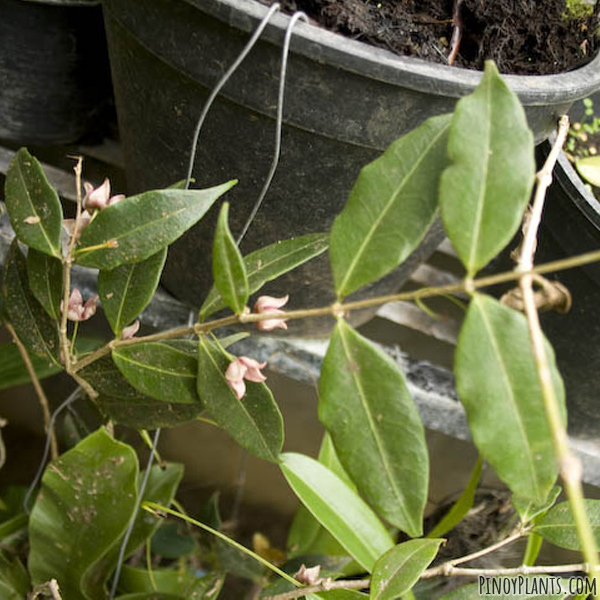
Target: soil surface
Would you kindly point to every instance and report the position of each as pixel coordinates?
(521, 36)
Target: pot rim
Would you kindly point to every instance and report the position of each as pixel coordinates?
(319, 44)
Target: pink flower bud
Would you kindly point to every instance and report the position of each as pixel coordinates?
(99, 198)
(129, 331)
(269, 304)
(308, 576)
(77, 310)
(243, 368)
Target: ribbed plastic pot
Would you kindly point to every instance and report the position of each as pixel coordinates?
(345, 103)
(54, 74)
(571, 226)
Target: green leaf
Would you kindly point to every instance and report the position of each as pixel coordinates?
(390, 208)
(161, 488)
(268, 263)
(32, 324)
(254, 421)
(14, 580)
(45, 281)
(400, 568)
(170, 581)
(33, 205)
(229, 271)
(366, 407)
(160, 370)
(529, 510)
(173, 540)
(461, 507)
(127, 406)
(338, 508)
(306, 534)
(485, 190)
(589, 169)
(85, 504)
(497, 381)
(126, 290)
(558, 525)
(142, 225)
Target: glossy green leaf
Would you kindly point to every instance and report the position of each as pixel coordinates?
(497, 382)
(32, 324)
(306, 534)
(45, 281)
(14, 580)
(366, 407)
(485, 190)
(142, 225)
(159, 370)
(461, 507)
(539, 587)
(126, 290)
(254, 421)
(390, 208)
(338, 508)
(589, 169)
(127, 406)
(173, 540)
(400, 568)
(84, 506)
(229, 270)
(269, 263)
(530, 510)
(33, 205)
(161, 488)
(171, 581)
(558, 525)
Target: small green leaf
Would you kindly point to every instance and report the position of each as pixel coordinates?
(497, 382)
(558, 525)
(14, 580)
(32, 324)
(127, 406)
(229, 270)
(126, 290)
(589, 169)
(485, 190)
(176, 583)
(45, 281)
(268, 263)
(461, 507)
(529, 510)
(339, 509)
(85, 504)
(254, 421)
(142, 225)
(161, 370)
(33, 205)
(400, 568)
(173, 540)
(392, 205)
(366, 407)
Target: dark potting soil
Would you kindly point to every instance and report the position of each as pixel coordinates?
(521, 36)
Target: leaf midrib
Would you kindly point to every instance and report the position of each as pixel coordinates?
(147, 367)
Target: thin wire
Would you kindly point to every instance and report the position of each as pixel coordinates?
(274, 8)
(131, 525)
(277, 152)
(74, 395)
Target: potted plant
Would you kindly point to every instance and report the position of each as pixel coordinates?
(345, 102)
(54, 70)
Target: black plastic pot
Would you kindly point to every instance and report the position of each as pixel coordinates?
(345, 102)
(54, 74)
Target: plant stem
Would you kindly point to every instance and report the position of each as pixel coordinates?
(337, 308)
(325, 586)
(534, 544)
(568, 464)
(39, 390)
(522, 570)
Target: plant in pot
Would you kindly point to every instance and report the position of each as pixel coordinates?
(361, 525)
(346, 101)
(54, 70)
